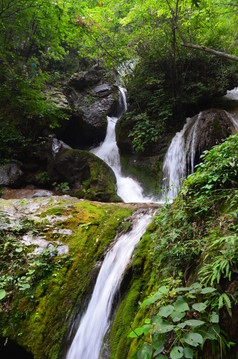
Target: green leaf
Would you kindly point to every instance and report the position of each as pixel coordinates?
(214, 317)
(3, 294)
(176, 353)
(163, 328)
(193, 339)
(194, 322)
(139, 331)
(158, 343)
(166, 311)
(181, 305)
(19, 249)
(24, 286)
(207, 290)
(145, 352)
(177, 316)
(199, 307)
(188, 353)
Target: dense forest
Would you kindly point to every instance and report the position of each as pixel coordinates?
(62, 66)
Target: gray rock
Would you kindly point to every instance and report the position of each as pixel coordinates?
(10, 174)
(103, 90)
(88, 176)
(83, 79)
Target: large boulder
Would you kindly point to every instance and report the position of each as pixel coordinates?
(87, 175)
(11, 175)
(92, 98)
(206, 130)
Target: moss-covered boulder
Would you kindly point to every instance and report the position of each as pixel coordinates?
(51, 249)
(88, 176)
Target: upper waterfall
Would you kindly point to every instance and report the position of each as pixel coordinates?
(127, 188)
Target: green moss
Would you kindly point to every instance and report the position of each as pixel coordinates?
(126, 316)
(38, 317)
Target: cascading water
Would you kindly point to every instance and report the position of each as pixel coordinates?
(95, 322)
(128, 189)
(179, 160)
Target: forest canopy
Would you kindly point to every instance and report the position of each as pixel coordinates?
(40, 40)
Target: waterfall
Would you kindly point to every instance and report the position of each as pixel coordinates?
(175, 161)
(95, 322)
(127, 188)
(180, 158)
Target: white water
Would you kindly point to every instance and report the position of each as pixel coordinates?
(127, 188)
(232, 94)
(175, 161)
(181, 155)
(95, 322)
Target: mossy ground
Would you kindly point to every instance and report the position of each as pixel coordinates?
(38, 316)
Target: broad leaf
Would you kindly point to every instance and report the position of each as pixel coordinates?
(3, 294)
(199, 307)
(176, 353)
(193, 339)
(193, 322)
(188, 353)
(145, 352)
(177, 316)
(214, 317)
(166, 311)
(181, 305)
(208, 290)
(163, 328)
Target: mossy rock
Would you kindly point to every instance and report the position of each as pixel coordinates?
(88, 176)
(45, 291)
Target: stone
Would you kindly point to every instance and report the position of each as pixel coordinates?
(87, 175)
(11, 174)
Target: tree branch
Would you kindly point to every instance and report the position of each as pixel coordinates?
(194, 46)
(211, 51)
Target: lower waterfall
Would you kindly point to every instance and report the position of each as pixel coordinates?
(95, 322)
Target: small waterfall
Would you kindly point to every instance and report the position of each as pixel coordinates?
(175, 161)
(95, 322)
(128, 189)
(180, 158)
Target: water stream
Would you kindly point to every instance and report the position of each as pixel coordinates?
(179, 160)
(95, 322)
(127, 188)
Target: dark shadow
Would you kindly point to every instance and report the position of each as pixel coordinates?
(10, 350)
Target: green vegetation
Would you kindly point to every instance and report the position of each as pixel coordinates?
(40, 292)
(192, 290)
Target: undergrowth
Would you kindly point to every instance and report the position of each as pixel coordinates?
(192, 312)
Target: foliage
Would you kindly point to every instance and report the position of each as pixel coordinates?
(195, 262)
(145, 131)
(183, 319)
(32, 285)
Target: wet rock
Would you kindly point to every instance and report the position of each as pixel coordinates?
(83, 79)
(87, 175)
(210, 127)
(91, 99)
(11, 174)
